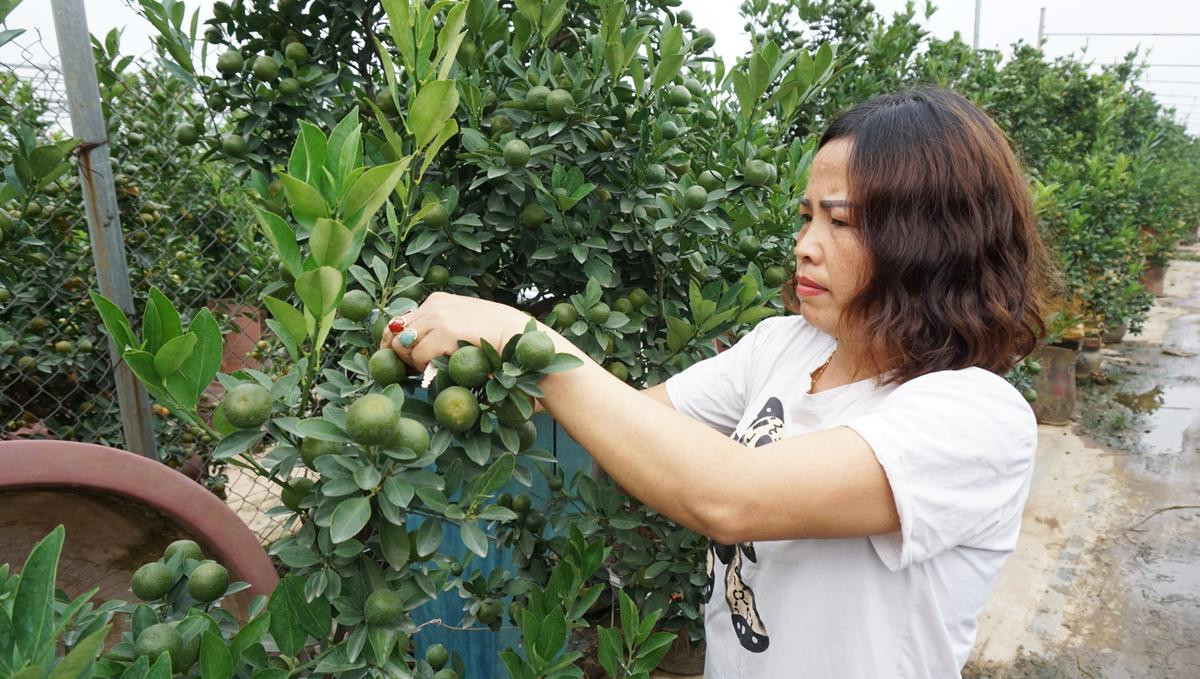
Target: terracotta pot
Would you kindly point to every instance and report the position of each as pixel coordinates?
(1153, 278)
(120, 511)
(684, 656)
(1115, 334)
(1088, 359)
(1055, 385)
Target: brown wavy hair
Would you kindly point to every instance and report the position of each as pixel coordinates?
(958, 273)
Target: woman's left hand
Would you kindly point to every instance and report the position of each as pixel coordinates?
(443, 319)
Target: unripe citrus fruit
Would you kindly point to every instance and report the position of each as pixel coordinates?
(383, 607)
(623, 305)
(618, 370)
(679, 95)
(151, 581)
(289, 86)
(536, 98)
(526, 436)
(383, 99)
(695, 197)
(356, 305)
(456, 409)
(565, 315)
(265, 68)
(64, 347)
(208, 581)
(233, 145)
(554, 483)
(437, 217)
(469, 367)
(599, 313)
(774, 276)
(295, 491)
(297, 52)
(533, 216)
(557, 103)
(521, 503)
(669, 130)
(186, 134)
(535, 350)
(371, 420)
(379, 325)
(437, 656)
(704, 40)
(516, 153)
(639, 297)
(158, 639)
(437, 276)
(312, 448)
(684, 17)
(489, 611)
(230, 62)
(656, 174)
(694, 87)
(412, 434)
(247, 405)
(188, 548)
(501, 123)
(711, 181)
(509, 413)
(749, 245)
(694, 263)
(757, 172)
(385, 368)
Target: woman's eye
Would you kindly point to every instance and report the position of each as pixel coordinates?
(838, 222)
(806, 218)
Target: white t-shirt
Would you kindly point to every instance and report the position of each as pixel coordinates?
(957, 447)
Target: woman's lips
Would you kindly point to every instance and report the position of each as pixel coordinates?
(807, 288)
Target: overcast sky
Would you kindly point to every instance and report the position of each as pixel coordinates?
(1174, 77)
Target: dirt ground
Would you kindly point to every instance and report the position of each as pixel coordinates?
(1105, 582)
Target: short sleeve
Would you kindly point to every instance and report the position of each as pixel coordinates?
(958, 449)
(717, 389)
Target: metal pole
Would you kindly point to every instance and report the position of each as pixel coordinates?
(1041, 27)
(975, 40)
(100, 200)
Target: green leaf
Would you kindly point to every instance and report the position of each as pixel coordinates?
(307, 202)
(216, 662)
(206, 358)
(81, 657)
(370, 191)
(320, 290)
(395, 543)
(290, 319)
(474, 539)
(173, 353)
(250, 635)
(671, 57)
(161, 669)
(434, 104)
(322, 429)
(285, 625)
(823, 60)
(282, 240)
(160, 322)
(755, 314)
(348, 518)
(449, 38)
(308, 154)
(115, 322)
(429, 537)
(330, 242)
(344, 150)
(236, 443)
(33, 603)
(679, 333)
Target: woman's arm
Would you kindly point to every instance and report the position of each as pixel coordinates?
(820, 485)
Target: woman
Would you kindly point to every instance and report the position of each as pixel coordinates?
(863, 535)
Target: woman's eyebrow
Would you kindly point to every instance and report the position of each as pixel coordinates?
(827, 204)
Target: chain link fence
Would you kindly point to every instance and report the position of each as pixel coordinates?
(186, 232)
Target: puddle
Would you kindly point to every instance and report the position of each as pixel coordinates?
(1178, 407)
(1146, 402)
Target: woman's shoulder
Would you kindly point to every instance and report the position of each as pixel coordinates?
(968, 390)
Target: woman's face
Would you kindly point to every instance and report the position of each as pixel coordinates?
(830, 259)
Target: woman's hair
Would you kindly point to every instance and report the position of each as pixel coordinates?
(958, 275)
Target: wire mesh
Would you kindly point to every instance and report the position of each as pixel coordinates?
(186, 232)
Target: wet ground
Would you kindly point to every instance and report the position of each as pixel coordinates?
(1105, 583)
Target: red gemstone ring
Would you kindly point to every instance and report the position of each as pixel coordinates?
(396, 325)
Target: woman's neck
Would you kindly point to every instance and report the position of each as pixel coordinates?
(846, 365)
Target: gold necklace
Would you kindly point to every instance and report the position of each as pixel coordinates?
(816, 374)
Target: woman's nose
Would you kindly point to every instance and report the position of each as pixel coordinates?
(807, 247)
